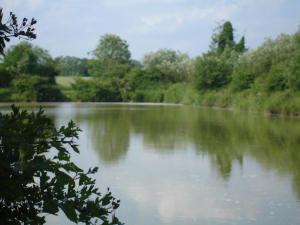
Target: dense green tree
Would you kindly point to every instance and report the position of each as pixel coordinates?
(5, 77)
(97, 90)
(38, 177)
(240, 46)
(116, 72)
(24, 58)
(11, 28)
(32, 73)
(27, 88)
(110, 52)
(173, 65)
(277, 79)
(267, 63)
(72, 66)
(211, 72)
(294, 64)
(223, 38)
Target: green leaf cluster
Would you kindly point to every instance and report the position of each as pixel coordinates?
(38, 177)
(30, 73)
(72, 66)
(111, 51)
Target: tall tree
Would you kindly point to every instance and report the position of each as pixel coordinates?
(240, 46)
(173, 65)
(72, 66)
(226, 37)
(24, 58)
(294, 65)
(111, 51)
(223, 39)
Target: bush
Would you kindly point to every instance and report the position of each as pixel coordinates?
(24, 58)
(211, 72)
(5, 94)
(28, 88)
(38, 178)
(294, 65)
(97, 90)
(5, 77)
(242, 80)
(175, 66)
(277, 78)
(148, 96)
(175, 93)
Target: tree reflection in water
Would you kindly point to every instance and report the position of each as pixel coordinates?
(225, 136)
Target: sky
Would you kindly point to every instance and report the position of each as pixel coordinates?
(74, 27)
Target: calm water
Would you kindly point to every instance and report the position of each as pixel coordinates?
(187, 165)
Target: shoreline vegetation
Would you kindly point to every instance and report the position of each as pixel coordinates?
(230, 76)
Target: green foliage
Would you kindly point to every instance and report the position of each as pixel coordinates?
(294, 65)
(240, 46)
(271, 52)
(25, 58)
(97, 90)
(84, 90)
(118, 71)
(112, 48)
(95, 67)
(28, 88)
(277, 79)
(110, 52)
(266, 66)
(175, 66)
(242, 77)
(11, 28)
(241, 80)
(223, 38)
(5, 77)
(38, 177)
(175, 93)
(144, 79)
(72, 66)
(150, 95)
(211, 72)
(5, 95)
(29, 71)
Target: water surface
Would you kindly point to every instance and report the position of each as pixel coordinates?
(173, 164)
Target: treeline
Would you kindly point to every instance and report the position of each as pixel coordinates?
(228, 75)
(27, 73)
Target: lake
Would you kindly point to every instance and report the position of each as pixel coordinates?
(173, 164)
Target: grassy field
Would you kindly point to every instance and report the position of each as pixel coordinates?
(66, 81)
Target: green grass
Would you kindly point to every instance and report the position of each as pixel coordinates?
(67, 81)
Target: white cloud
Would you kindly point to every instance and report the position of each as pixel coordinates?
(174, 200)
(120, 3)
(267, 4)
(30, 5)
(172, 22)
(34, 4)
(8, 4)
(161, 23)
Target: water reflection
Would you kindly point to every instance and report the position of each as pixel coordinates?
(108, 130)
(226, 137)
(189, 165)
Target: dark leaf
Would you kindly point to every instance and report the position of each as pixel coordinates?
(50, 206)
(69, 210)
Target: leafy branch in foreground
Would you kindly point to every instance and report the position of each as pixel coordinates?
(38, 177)
(11, 28)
